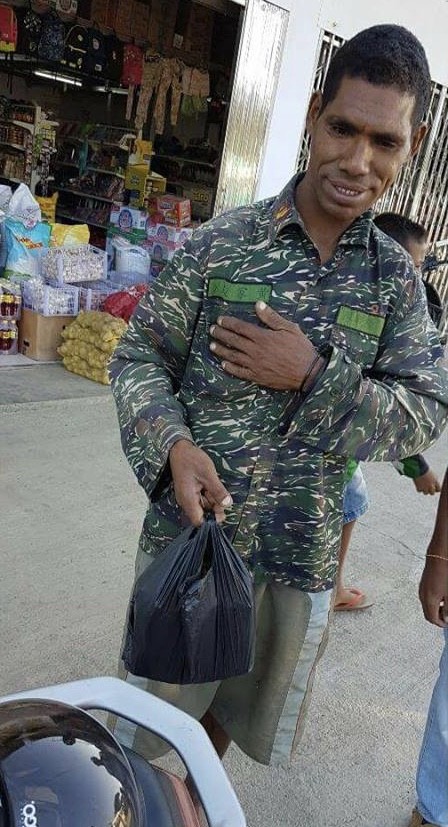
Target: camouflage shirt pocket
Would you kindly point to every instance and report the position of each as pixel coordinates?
(204, 374)
(361, 347)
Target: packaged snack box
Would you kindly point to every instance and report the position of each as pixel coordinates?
(170, 209)
(167, 233)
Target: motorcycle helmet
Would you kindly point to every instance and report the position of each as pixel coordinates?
(59, 767)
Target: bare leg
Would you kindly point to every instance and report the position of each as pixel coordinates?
(348, 599)
(342, 594)
(221, 743)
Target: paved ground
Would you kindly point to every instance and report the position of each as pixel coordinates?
(71, 514)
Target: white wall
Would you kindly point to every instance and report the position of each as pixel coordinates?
(293, 91)
(428, 19)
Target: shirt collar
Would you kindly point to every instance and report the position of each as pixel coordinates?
(284, 213)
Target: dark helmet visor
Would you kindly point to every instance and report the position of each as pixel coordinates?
(59, 767)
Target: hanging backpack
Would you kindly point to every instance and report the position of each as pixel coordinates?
(96, 58)
(76, 48)
(52, 38)
(132, 65)
(30, 27)
(114, 53)
(68, 7)
(8, 29)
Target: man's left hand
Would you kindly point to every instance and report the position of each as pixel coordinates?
(277, 356)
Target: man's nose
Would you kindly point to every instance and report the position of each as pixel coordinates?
(357, 158)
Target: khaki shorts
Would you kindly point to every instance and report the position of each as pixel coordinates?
(264, 711)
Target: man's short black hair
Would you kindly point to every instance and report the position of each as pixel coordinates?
(384, 55)
(400, 228)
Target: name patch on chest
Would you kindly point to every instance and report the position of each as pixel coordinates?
(234, 291)
(368, 323)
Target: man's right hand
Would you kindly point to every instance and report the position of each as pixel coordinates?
(428, 483)
(197, 486)
(433, 590)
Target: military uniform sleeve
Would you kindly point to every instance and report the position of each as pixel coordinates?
(148, 365)
(397, 410)
(412, 467)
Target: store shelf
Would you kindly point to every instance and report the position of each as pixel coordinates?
(66, 163)
(109, 143)
(182, 160)
(23, 125)
(185, 183)
(106, 172)
(87, 195)
(90, 169)
(13, 146)
(78, 220)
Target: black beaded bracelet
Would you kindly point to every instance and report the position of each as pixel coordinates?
(309, 371)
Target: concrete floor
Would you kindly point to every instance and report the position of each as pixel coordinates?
(71, 514)
(43, 383)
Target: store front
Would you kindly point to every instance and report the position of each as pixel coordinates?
(182, 75)
(131, 122)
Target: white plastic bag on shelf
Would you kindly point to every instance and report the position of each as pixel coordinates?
(24, 207)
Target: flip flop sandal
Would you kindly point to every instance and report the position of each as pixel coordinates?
(418, 820)
(357, 602)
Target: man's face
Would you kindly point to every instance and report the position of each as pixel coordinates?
(359, 142)
(417, 251)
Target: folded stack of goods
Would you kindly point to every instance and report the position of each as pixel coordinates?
(163, 240)
(140, 243)
(89, 343)
(170, 209)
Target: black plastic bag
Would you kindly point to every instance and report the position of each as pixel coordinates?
(191, 617)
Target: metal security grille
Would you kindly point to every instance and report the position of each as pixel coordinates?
(421, 189)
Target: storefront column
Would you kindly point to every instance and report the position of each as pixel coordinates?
(273, 79)
(259, 61)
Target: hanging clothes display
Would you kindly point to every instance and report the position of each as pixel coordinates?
(132, 73)
(152, 68)
(195, 82)
(196, 90)
(171, 76)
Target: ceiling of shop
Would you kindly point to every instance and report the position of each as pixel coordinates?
(222, 6)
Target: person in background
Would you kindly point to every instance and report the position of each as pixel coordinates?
(432, 771)
(285, 337)
(414, 238)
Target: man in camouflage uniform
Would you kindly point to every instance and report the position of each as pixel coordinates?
(286, 337)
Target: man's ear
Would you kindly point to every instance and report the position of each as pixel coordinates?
(314, 110)
(417, 138)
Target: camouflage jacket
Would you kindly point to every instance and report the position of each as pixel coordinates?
(382, 396)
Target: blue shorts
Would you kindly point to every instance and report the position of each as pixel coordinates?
(356, 498)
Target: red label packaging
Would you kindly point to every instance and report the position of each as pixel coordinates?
(169, 209)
